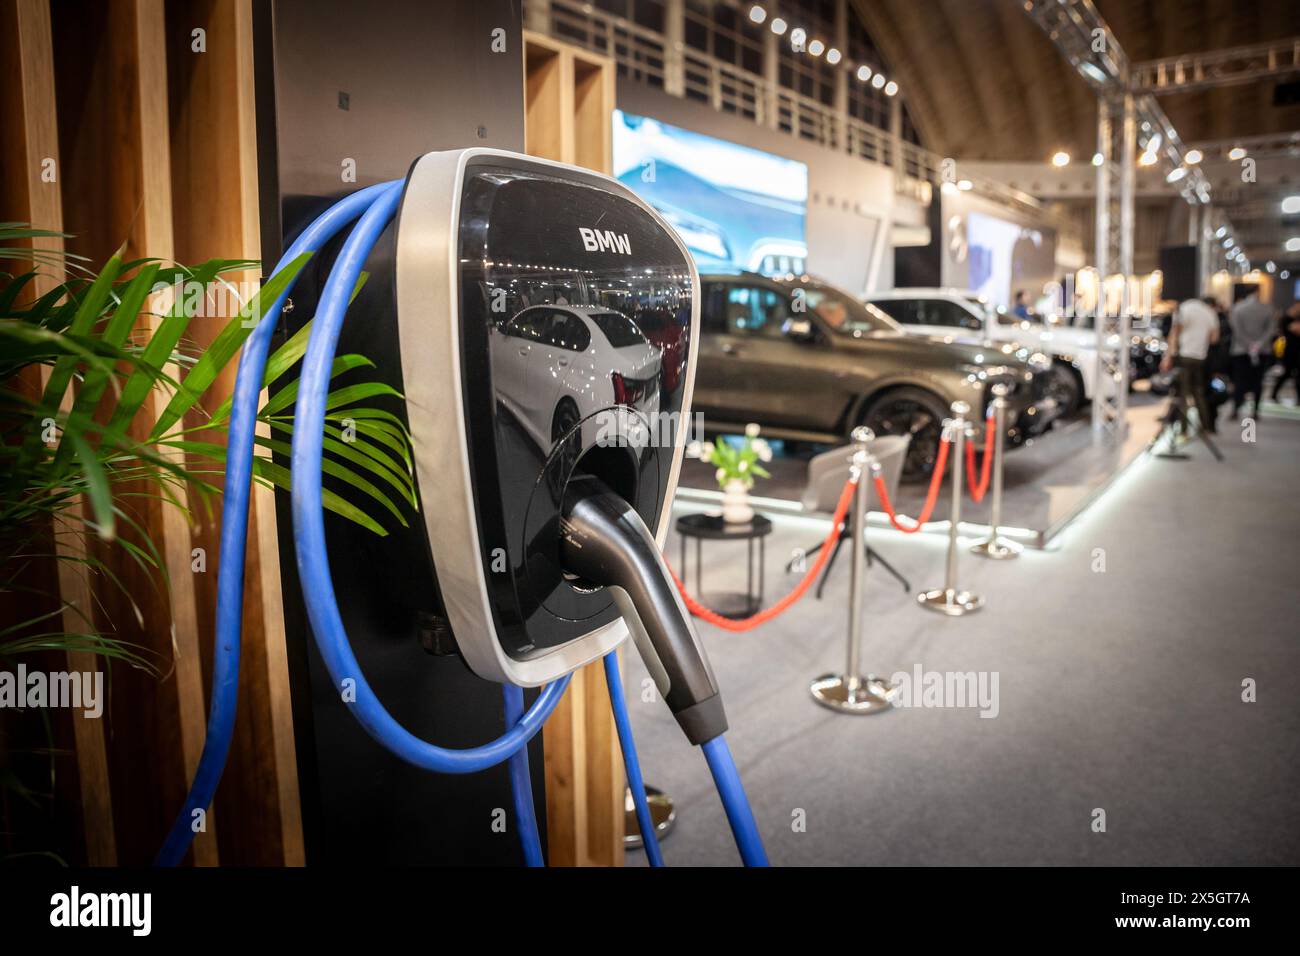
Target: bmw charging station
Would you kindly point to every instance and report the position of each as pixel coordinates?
(482, 235)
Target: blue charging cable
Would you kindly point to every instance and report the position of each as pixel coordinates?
(734, 802)
(635, 783)
(521, 783)
(234, 538)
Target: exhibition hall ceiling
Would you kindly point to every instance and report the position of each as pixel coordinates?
(984, 82)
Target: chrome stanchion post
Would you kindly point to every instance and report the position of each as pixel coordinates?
(994, 546)
(663, 814)
(949, 599)
(851, 692)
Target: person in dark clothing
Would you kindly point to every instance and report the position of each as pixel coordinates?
(1289, 327)
(1253, 325)
(1218, 360)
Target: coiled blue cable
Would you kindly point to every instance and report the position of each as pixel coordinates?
(732, 792)
(234, 538)
(631, 763)
(234, 530)
(309, 531)
(521, 784)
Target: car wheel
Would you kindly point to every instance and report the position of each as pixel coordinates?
(563, 422)
(1063, 386)
(915, 412)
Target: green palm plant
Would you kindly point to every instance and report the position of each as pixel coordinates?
(96, 444)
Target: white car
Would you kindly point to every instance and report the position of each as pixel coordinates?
(956, 315)
(557, 365)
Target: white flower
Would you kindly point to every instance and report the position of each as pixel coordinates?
(695, 450)
(751, 430)
(762, 449)
(720, 475)
(706, 452)
(744, 466)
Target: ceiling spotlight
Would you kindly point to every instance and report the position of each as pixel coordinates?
(1284, 274)
(757, 14)
(1147, 159)
(1175, 174)
(1229, 242)
(878, 80)
(1291, 205)
(1193, 157)
(965, 185)
(832, 56)
(1220, 232)
(816, 47)
(798, 37)
(1098, 159)
(1293, 244)
(778, 26)
(1090, 70)
(1060, 158)
(1270, 266)
(948, 189)
(891, 88)
(1237, 152)
(864, 73)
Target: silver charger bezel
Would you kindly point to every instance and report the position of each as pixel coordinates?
(428, 315)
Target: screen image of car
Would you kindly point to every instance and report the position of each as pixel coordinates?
(733, 206)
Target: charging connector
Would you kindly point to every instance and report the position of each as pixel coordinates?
(605, 542)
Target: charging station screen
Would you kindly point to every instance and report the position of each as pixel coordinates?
(734, 207)
(578, 303)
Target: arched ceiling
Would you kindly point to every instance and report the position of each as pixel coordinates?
(983, 82)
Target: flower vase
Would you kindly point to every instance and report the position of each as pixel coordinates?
(735, 502)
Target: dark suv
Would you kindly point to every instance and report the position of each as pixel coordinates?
(807, 361)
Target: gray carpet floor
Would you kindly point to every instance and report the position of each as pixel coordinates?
(1119, 691)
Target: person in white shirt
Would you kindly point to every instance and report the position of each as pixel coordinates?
(1195, 328)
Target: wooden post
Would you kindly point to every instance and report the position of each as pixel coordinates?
(569, 101)
(214, 177)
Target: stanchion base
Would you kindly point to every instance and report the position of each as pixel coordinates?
(662, 814)
(998, 549)
(950, 602)
(866, 695)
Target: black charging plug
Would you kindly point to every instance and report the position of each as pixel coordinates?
(604, 542)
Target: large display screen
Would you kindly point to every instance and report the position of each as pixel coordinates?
(1004, 258)
(734, 207)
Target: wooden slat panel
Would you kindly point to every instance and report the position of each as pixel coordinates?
(32, 140)
(111, 85)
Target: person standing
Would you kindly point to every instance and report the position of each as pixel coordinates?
(1252, 326)
(1194, 329)
(1289, 329)
(1021, 309)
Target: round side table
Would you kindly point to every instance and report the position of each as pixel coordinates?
(706, 527)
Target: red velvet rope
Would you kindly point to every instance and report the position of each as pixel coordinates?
(978, 488)
(765, 615)
(936, 479)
